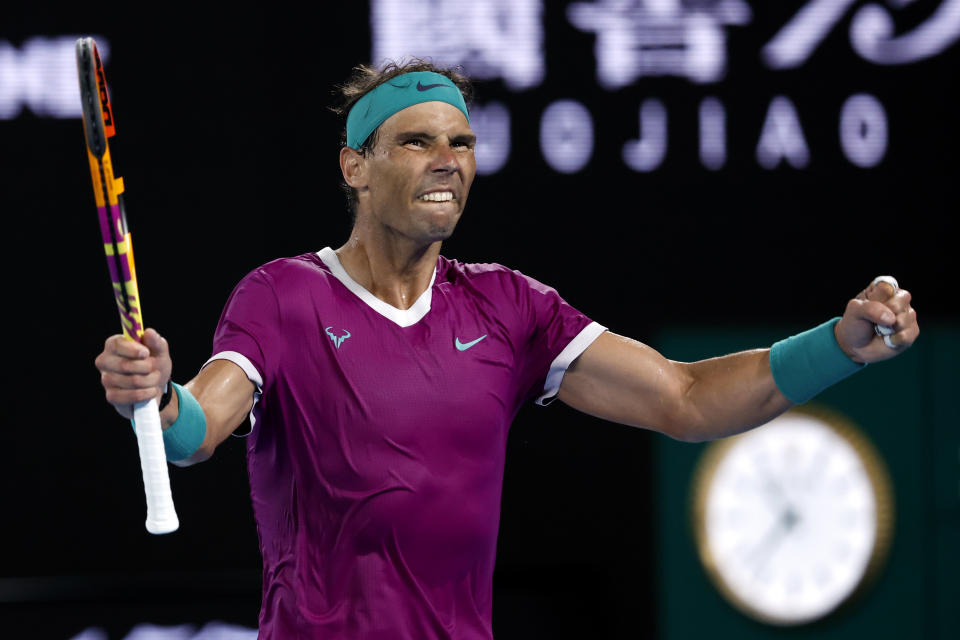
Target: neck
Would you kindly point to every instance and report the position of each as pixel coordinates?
(392, 268)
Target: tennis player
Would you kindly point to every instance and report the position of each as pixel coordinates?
(381, 379)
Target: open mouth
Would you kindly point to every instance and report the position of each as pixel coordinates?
(437, 196)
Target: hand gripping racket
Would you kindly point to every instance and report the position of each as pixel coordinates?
(98, 126)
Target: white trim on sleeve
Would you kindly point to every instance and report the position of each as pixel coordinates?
(241, 361)
(570, 353)
(252, 374)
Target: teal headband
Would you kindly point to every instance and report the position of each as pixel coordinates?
(396, 94)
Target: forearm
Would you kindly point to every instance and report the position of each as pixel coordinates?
(224, 396)
(625, 381)
(727, 395)
(198, 417)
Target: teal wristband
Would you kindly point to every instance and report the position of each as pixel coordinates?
(186, 434)
(182, 439)
(807, 363)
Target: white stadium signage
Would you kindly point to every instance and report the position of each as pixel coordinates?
(637, 39)
(634, 40)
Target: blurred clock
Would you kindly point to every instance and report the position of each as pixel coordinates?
(793, 518)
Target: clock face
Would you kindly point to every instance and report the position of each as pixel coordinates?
(792, 517)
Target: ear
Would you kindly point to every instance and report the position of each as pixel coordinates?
(353, 166)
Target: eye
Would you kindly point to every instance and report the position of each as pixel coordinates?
(415, 142)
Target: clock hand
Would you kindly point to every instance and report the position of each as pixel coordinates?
(773, 491)
(764, 550)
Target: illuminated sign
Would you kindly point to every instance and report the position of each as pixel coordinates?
(637, 39)
(41, 76)
(492, 39)
(871, 33)
(659, 38)
(215, 630)
(493, 146)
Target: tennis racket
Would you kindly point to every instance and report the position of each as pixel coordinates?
(98, 126)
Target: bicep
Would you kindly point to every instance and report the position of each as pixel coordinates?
(226, 395)
(626, 381)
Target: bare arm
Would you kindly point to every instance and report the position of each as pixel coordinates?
(133, 372)
(226, 396)
(624, 381)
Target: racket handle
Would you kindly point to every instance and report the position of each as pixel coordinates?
(161, 515)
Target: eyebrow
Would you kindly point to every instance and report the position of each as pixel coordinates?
(463, 137)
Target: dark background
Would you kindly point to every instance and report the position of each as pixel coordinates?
(229, 157)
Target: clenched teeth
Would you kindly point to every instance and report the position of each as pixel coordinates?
(437, 196)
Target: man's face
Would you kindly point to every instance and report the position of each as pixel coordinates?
(419, 172)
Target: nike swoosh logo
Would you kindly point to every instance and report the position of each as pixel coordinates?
(427, 87)
(463, 347)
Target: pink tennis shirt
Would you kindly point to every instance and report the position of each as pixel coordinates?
(377, 451)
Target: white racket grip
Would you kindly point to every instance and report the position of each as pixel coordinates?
(161, 515)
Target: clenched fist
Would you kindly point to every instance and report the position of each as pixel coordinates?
(879, 304)
(132, 372)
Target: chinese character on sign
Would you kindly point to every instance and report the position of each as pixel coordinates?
(489, 38)
(637, 38)
(871, 33)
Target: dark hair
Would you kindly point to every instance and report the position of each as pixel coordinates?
(365, 79)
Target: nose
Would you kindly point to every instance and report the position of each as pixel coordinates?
(444, 159)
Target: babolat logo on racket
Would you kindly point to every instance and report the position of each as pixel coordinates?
(337, 340)
(104, 99)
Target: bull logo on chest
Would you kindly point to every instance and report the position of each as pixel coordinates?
(337, 340)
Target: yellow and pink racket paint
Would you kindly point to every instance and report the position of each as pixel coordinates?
(98, 127)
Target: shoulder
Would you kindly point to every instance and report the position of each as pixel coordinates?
(285, 274)
(282, 283)
(306, 264)
(481, 274)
